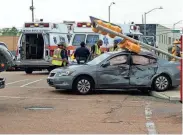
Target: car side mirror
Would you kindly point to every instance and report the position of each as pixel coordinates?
(105, 64)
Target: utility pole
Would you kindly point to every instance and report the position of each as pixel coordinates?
(145, 18)
(32, 9)
(110, 11)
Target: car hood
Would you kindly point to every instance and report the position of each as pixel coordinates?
(74, 67)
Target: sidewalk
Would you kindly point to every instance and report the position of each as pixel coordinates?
(172, 95)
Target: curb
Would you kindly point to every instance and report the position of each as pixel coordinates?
(163, 96)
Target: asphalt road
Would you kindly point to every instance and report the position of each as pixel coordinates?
(29, 105)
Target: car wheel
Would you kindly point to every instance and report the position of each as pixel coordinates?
(161, 83)
(28, 71)
(83, 85)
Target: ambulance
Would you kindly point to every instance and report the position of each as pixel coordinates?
(82, 31)
(37, 43)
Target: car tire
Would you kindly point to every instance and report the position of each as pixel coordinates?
(83, 85)
(28, 71)
(161, 83)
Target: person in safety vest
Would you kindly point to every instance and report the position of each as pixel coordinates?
(57, 59)
(95, 49)
(82, 53)
(115, 47)
(64, 55)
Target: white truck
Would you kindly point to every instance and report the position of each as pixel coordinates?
(37, 43)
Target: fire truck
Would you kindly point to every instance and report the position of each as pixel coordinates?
(37, 43)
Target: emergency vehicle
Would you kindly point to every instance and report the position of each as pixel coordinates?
(82, 31)
(37, 43)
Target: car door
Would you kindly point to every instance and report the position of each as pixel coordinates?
(142, 69)
(115, 75)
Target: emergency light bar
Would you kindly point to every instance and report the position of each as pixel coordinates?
(84, 24)
(36, 25)
(133, 27)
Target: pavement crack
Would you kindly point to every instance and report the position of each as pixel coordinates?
(112, 110)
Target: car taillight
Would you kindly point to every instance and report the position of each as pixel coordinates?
(2, 65)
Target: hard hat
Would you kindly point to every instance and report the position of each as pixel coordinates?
(117, 41)
(176, 42)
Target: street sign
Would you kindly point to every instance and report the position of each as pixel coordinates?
(175, 31)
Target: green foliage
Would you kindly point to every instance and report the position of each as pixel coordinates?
(10, 32)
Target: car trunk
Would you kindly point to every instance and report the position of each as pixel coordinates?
(33, 46)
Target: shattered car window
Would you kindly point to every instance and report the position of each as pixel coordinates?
(118, 60)
(140, 60)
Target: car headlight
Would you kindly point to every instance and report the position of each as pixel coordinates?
(65, 73)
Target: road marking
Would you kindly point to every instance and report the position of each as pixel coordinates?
(68, 99)
(149, 123)
(30, 83)
(17, 81)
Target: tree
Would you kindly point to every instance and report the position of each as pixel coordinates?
(10, 31)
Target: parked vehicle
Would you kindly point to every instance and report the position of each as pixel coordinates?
(37, 43)
(118, 70)
(6, 61)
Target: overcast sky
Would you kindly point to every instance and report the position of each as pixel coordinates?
(16, 12)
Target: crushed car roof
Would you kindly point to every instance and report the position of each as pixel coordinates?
(143, 52)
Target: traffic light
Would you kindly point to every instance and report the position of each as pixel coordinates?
(131, 46)
(106, 25)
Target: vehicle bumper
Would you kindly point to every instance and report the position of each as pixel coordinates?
(176, 82)
(2, 83)
(33, 63)
(64, 82)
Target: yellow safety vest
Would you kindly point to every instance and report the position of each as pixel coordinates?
(97, 50)
(72, 57)
(57, 60)
(112, 49)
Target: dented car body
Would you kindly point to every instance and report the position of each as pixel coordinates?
(118, 70)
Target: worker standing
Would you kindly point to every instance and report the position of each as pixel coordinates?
(175, 50)
(57, 60)
(115, 47)
(82, 53)
(95, 49)
(64, 55)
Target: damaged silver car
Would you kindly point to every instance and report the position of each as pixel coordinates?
(118, 70)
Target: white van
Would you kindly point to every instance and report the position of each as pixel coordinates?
(37, 43)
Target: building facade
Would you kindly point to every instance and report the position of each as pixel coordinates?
(163, 36)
